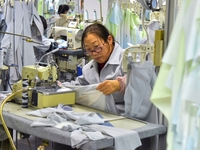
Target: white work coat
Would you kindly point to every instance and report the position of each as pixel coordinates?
(111, 70)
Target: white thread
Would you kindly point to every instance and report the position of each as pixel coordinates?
(86, 15)
(95, 15)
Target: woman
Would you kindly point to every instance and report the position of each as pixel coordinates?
(106, 64)
(63, 9)
(61, 20)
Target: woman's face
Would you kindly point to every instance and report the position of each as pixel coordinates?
(97, 48)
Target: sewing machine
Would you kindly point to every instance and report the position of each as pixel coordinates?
(45, 92)
(68, 61)
(73, 36)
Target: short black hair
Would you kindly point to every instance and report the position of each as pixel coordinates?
(62, 9)
(98, 29)
(44, 22)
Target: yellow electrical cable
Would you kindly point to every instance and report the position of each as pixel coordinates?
(1, 115)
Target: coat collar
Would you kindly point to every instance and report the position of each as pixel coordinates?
(114, 57)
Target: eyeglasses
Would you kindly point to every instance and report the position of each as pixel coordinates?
(98, 49)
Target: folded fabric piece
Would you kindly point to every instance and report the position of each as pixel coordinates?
(67, 126)
(97, 135)
(58, 115)
(43, 122)
(47, 111)
(91, 118)
(78, 142)
(64, 107)
(124, 139)
(85, 136)
(43, 112)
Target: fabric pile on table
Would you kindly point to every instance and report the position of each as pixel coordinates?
(87, 126)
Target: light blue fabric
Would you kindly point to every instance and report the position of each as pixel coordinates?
(134, 30)
(116, 15)
(127, 24)
(109, 25)
(147, 14)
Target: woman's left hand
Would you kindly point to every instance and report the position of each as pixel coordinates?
(109, 86)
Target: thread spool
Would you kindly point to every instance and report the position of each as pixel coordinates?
(25, 94)
(86, 15)
(95, 15)
(1, 57)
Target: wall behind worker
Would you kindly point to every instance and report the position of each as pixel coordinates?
(91, 5)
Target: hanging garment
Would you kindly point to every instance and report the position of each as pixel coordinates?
(110, 25)
(174, 79)
(3, 25)
(140, 82)
(40, 7)
(151, 28)
(116, 15)
(127, 23)
(123, 24)
(19, 49)
(134, 29)
(41, 49)
(7, 40)
(37, 33)
(7, 16)
(28, 51)
(37, 29)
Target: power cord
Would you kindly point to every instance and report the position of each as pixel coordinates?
(2, 103)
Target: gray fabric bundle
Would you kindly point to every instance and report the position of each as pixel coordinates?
(140, 81)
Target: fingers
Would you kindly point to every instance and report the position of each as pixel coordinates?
(104, 87)
(101, 86)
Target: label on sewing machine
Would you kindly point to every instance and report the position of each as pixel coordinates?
(69, 34)
(72, 24)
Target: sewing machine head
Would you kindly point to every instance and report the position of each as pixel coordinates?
(45, 91)
(40, 75)
(73, 36)
(36, 76)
